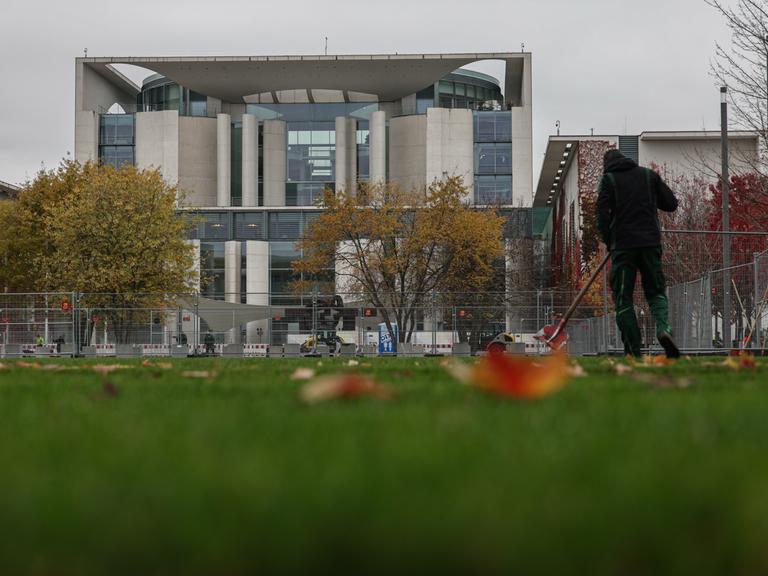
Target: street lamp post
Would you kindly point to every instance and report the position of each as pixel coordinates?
(726, 220)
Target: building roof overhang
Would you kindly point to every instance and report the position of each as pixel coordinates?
(389, 76)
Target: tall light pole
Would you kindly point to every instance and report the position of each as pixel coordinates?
(726, 220)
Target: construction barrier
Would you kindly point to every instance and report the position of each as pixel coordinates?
(105, 349)
(436, 348)
(255, 350)
(155, 350)
(218, 349)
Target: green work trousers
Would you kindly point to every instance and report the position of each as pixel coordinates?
(625, 264)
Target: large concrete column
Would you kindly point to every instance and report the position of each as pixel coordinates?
(352, 155)
(346, 155)
(378, 147)
(86, 136)
(257, 287)
(223, 159)
(232, 260)
(250, 160)
(342, 177)
(275, 162)
(190, 323)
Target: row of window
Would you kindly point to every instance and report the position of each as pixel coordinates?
(281, 275)
(170, 96)
(290, 226)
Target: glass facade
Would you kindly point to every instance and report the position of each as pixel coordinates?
(493, 157)
(212, 269)
(117, 138)
(458, 92)
(493, 190)
(236, 164)
(282, 277)
(162, 94)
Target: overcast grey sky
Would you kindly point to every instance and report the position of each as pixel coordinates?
(611, 65)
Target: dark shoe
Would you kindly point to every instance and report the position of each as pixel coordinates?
(670, 348)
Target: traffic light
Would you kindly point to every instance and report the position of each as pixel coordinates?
(370, 313)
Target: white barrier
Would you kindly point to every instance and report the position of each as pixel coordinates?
(255, 350)
(105, 349)
(155, 350)
(436, 349)
(218, 349)
(2, 350)
(35, 350)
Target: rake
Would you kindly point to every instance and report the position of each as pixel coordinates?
(555, 335)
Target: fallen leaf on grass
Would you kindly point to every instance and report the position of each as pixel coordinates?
(209, 374)
(744, 361)
(520, 377)
(3, 366)
(461, 371)
(107, 368)
(23, 364)
(622, 369)
(303, 374)
(353, 363)
(576, 371)
(403, 374)
(344, 387)
(161, 365)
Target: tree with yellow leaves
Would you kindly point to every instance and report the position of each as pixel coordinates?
(396, 248)
(112, 233)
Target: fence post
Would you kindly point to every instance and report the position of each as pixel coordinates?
(73, 338)
(434, 325)
(605, 306)
(755, 304)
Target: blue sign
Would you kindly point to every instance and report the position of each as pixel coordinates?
(386, 343)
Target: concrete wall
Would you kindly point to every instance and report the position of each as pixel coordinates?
(95, 92)
(408, 151)
(157, 143)
(699, 157)
(197, 160)
(232, 260)
(275, 162)
(86, 136)
(450, 147)
(522, 142)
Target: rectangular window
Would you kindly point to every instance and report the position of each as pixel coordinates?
(493, 158)
(250, 226)
(285, 225)
(490, 190)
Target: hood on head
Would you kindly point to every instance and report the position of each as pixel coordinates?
(615, 161)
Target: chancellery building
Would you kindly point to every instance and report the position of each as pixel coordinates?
(251, 142)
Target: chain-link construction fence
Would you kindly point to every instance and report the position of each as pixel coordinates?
(262, 324)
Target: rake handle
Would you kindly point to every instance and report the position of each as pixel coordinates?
(583, 291)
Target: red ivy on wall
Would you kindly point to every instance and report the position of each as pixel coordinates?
(591, 154)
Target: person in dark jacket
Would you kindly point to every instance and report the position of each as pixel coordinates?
(627, 217)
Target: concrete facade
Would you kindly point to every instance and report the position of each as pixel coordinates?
(197, 160)
(86, 136)
(157, 143)
(450, 147)
(408, 151)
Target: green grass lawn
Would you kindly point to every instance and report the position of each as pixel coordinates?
(235, 475)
